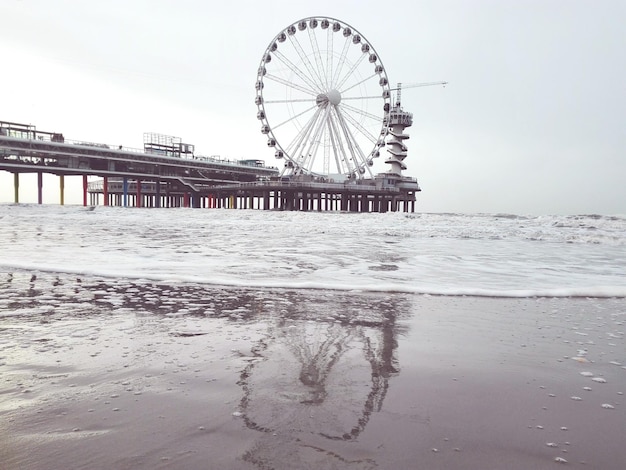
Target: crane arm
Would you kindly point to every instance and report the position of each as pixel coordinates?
(413, 85)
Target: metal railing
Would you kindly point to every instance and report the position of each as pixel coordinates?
(40, 136)
(310, 185)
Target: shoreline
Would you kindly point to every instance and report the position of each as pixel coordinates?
(593, 292)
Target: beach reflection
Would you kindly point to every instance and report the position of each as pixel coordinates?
(312, 368)
(318, 375)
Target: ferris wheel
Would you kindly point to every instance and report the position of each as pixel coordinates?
(323, 99)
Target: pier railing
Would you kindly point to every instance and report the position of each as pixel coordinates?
(351, 186)
(47, 137)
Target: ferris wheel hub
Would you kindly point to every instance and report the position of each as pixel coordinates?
(333, 97)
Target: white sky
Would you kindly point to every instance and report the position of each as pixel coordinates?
(532, 121)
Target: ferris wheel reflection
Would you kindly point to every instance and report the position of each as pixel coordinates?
(320, 379)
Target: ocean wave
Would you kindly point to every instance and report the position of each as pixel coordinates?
(480, 255)
(370, 287)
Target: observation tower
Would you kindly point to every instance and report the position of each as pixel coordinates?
(398, 121)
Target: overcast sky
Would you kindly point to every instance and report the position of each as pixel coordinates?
(533, 120)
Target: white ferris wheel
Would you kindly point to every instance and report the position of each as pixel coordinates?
(323, 99)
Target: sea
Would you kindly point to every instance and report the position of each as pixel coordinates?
(500, 255)
(252, 340)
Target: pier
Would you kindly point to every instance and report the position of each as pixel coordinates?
(167, 173)
(274, 194)
(165, 164)
(314, 196)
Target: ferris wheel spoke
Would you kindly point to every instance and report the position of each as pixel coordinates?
(295, 86)
(337, 144)
(357, 84)
(350, 72)
(361, 112)
(295, 117)
(326, 150)
(355, 149)
(304, 100)
(349, 141)
(345, 144)
(298, 71)
(315, 139)
(357, 125)
(304, 57)
(342, 60)
(300, 138)
(338, 151)
(329, 57)
(308, 156)
(317, 56)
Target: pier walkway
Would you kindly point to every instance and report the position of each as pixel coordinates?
(170, 168)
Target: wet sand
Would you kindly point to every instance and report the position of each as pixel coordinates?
(131, 374)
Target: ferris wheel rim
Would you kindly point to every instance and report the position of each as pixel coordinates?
(330, 98)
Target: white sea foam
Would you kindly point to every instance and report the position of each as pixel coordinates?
(440, 254)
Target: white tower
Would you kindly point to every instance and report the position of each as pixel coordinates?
(398, 121)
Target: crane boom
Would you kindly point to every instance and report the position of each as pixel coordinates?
(413, 85)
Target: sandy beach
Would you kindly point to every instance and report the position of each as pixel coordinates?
(132, 374)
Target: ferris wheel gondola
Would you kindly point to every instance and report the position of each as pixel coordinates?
(323, 99)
